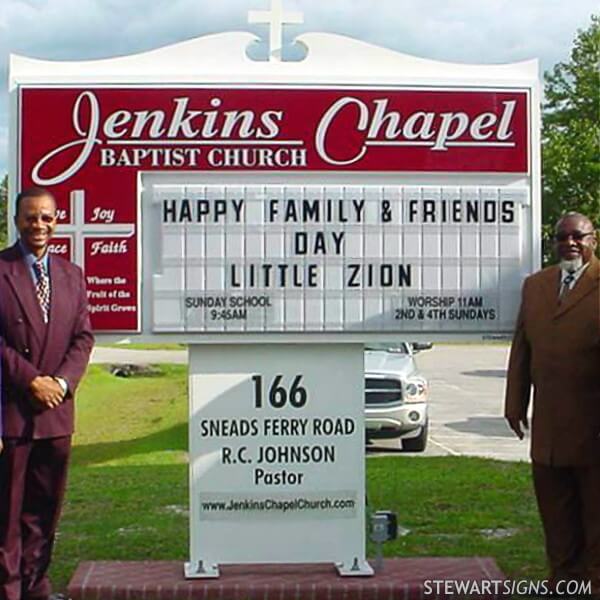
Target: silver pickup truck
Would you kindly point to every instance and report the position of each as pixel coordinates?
(396, 396)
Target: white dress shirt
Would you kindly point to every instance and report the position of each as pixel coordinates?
(564, 287)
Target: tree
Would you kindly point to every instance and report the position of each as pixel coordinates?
(571, 133)
(4, 212)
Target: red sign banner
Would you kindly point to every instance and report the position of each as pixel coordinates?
(88, 144)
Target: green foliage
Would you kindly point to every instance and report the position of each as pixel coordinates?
(571, 133)
(4, 212)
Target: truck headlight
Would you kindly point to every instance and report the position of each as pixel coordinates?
(415, 390)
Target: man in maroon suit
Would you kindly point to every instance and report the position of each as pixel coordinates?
(47, 343)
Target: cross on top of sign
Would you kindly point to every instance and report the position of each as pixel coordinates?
(275, 18)
(79, 230)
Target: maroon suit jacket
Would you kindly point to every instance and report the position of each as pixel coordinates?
(30, 347)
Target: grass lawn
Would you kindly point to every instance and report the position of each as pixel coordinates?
(127, 496)
(139, 346)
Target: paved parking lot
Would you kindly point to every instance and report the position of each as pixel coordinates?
(466, 402)
(466, 399)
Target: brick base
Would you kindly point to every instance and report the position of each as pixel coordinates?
(401, 578)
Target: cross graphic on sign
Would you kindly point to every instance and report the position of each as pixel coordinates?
(78, 230)
(276, 18)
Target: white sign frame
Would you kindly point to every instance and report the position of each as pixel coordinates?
(332, 61)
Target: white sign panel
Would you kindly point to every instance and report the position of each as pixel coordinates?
(277, 456)
(333, 258)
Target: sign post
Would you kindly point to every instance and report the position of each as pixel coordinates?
(275, 216)
(277, 456)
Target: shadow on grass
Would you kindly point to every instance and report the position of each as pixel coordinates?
(174, 438)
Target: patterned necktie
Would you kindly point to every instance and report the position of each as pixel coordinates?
(566, 286)
(42, 288)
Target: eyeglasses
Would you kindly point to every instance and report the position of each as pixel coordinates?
(44, 218)
(576, 236)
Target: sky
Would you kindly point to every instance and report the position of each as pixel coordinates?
(470, 31)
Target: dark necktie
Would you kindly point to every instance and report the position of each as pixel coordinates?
(566, 286)
(42, 288)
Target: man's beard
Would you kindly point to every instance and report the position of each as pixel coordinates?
(571, 265)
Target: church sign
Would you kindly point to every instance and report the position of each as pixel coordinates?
(275, 202)
(275, 216)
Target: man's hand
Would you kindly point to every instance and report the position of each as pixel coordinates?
(46, 391)
(515, 424)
